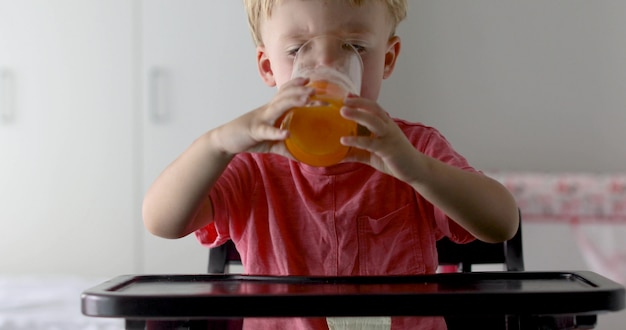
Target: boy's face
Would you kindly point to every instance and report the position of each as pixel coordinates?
(293, 22)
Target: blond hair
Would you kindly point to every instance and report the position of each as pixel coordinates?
(258, 10)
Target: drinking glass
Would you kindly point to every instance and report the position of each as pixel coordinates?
(335, 69)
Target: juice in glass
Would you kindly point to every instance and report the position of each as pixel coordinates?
(315, 129)
(334, 68)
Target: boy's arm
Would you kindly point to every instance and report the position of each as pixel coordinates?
(475, 201)
(478, 203)
(177, 203)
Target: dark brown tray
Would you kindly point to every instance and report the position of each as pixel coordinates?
(477, 293)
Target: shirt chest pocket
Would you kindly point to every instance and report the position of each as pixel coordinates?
(391, 245)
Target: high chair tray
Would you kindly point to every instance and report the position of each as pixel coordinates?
(228, 296)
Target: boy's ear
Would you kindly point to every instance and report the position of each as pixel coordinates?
(265, 67)
(393, 50)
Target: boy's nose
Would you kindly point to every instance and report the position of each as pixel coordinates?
(326, 50)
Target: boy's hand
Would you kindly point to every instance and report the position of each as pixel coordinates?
(258, 130)
(387, 149)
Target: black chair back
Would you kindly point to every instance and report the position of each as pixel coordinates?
(509, 253)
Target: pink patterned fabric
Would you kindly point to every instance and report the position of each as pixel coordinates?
(568, 196)
(593, 204)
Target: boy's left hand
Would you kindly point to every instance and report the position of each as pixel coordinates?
(387, 149)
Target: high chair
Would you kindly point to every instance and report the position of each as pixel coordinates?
(505, 256)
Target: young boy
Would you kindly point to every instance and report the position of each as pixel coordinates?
(380, 212)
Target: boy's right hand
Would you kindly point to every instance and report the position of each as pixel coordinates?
(258, 130)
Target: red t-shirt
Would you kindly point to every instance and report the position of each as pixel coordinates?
(288, 218)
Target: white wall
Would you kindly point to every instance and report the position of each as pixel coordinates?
(518, 85)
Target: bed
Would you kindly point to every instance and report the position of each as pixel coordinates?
(48, 303)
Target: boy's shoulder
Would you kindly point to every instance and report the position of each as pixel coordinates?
(425, 138)
(411, 127)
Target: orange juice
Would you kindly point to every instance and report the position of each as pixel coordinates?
(315, 129)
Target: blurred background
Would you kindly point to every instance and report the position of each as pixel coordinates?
(98, 96)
